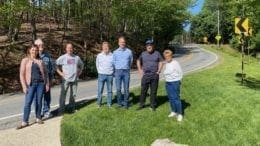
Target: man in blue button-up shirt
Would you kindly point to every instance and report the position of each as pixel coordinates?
(122, 61)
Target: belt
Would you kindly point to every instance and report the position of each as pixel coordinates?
(37, 80)
(149, 72)
(123, 69)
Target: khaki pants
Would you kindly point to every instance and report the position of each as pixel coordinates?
(65, 85)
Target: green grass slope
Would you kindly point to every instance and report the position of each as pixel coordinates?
(218, 111)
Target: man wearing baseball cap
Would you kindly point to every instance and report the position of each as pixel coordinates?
(149, 65)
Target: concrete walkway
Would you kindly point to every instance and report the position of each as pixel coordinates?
(47, 134)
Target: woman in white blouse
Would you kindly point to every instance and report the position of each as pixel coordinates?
(173, 75)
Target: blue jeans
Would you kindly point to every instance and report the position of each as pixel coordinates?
(46, 101)
(35, 92)
(173, 91)
(65, 85)
(122, 76)
(102, 79)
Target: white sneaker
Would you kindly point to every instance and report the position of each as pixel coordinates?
(172, 114)
(179, 118)
(47, 115)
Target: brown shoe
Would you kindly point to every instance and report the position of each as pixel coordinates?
(39, 121)
(23, 125)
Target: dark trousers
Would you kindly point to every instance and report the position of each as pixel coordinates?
(149, 80)
(46, 101)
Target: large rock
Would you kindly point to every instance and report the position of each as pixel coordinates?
(165, 142)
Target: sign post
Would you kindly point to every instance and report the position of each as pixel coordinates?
(218, 37)
(242, 57)
(241, 27)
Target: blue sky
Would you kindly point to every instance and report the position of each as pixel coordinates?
(195, 10)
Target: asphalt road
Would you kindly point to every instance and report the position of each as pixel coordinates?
(190, 57)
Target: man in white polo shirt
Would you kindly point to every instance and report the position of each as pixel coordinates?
(105, 70)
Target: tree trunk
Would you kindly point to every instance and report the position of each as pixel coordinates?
(10, 33)
(32, 21)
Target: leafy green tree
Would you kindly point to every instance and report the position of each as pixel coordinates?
(12, 12)
(204, 24)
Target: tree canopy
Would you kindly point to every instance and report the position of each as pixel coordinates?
(205, 23)
(85, 23)
(99, 19)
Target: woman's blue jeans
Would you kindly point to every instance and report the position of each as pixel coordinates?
(35, 92)
(173, 91)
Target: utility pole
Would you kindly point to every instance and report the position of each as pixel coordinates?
(242, 49)
(218, 28)
(242, 57)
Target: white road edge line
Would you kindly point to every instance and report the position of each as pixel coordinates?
(94, 96)
(54, 106)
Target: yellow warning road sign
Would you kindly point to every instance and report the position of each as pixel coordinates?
(218, 37)
(241, 25)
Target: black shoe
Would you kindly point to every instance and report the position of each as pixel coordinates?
(140, 108)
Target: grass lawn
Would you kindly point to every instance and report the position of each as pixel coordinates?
(218, 111)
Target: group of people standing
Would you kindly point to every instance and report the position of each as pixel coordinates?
(37, 74)
(150, 64)
(118, 65)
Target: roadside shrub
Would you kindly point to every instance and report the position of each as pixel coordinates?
(234, 42)
(90, 67)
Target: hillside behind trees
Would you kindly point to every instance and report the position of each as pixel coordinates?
(85, 23)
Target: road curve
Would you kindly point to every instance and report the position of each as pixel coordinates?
(191, 58)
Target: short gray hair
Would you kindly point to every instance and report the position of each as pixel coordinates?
(38, 42)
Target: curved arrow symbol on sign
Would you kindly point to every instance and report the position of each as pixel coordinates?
(241, 25)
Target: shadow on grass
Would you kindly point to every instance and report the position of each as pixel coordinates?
(184, 105)
(134, 99)
(252, 83)
(249, 82)
(160, 100)
(79, 105)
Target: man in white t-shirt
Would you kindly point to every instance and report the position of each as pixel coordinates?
(71, 67)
